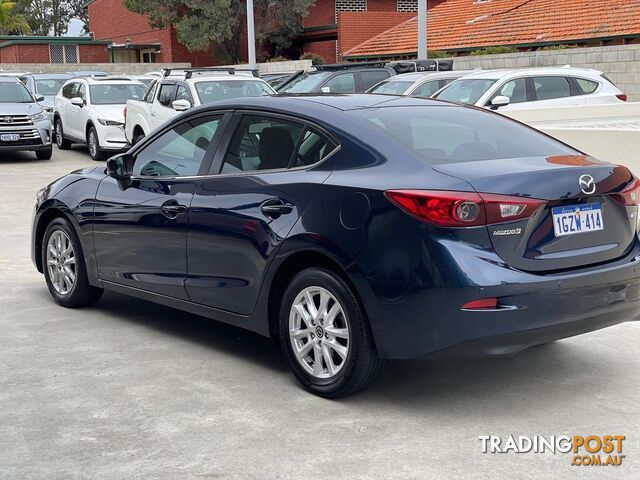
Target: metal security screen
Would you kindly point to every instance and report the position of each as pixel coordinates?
(63, 53)
(350, 6)
(407, 5)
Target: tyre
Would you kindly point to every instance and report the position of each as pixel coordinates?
(61, 142)
(325, 337)
(95, 152)
(138, 138)
(44, 154)
(64, 267)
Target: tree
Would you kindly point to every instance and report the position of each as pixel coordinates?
(51, 17)
(201, 23)
(11, 21)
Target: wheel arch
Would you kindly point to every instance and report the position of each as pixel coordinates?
(43, 222)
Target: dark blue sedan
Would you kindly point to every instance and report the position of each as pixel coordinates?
(353, 229)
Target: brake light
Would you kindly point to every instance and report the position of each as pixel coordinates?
(463, 209)
(630, 196)
(622, 97)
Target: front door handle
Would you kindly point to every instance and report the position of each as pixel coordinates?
(275, 207)
(171, 209)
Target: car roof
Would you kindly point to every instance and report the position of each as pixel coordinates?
(415, 76)
(344, 102)
(498, 74)
(49, 75)
(106, 80)
(8, 79)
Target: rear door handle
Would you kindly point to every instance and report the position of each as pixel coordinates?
(275, 207)
(171, 209)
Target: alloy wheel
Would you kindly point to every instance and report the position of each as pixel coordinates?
(93, 144)
(59, 139)
(61, 262)
(319, 332)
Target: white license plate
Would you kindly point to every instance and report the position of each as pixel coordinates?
(10, 137)
(577, 219)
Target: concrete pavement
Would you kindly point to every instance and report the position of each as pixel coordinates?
(128, 389)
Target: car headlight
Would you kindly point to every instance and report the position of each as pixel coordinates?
(110, 123)
(41, 195)
(39, 117)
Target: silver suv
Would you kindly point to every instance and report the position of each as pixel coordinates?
(24, 124)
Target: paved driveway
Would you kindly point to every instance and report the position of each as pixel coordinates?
(127, 389)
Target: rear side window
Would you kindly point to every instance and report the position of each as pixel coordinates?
(452, 135)
(548, 88)
(265, 143)
(586, 86)
(370, 78)
(166, 94)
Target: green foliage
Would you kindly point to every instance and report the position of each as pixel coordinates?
(52, 17)
(314, 57)
(201, 23)
(494, 50)
(11, 20)
(554, 47)
(432, 54)
(277, 58)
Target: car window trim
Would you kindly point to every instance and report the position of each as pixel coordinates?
(205, 167)
(223, 147)
(186, 87)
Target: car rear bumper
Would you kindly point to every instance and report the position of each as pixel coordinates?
(533, 309)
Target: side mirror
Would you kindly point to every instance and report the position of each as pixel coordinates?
(77, 101)
(181, 105)
(500, 101)
(120, 168)
(40, 98)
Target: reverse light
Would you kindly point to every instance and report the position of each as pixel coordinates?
(463, 209)
(482, 304)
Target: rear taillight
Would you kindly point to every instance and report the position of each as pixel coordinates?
(622, 97)
(630, 196)
(482, 304)
(463, 209)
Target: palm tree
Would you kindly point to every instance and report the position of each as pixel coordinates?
(10, 21)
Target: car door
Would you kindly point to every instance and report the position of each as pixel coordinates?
(265, 174)
(68, 110)
(555, 91)
(161, 109)
(368, 78)
(79, 115)
(341, 83)
(140, 232)
(518, 93)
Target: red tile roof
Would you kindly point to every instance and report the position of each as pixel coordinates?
(464, 24)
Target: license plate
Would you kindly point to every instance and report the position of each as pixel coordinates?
(577, 219)
(10, 137)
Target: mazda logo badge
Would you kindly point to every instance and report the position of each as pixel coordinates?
(8, 119)
(587, 184)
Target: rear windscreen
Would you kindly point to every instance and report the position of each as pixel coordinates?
(447, 134)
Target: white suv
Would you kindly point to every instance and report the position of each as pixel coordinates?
(179, 90)
(90, 110)
(533, 88)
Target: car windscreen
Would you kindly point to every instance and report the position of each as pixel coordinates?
(465, 90)
(305, 83)
(115, 93)
(14, 92)
(449, 134)
(49, 86)
(213, 91)
(393, 87)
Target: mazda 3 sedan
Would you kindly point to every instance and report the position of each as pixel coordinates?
(353, 229)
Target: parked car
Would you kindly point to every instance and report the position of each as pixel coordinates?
(89, 73)
(90, 110)
(180, 90)
(338, 78)
(533, 88)
(45, 85)
(146, 79)
(12, 74)
(24, 124)
(277, 79)
(353, 229)
(419, 84)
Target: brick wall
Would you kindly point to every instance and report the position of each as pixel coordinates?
(24, 53)
(325, 48)
(621, 63)
(8, 55)
(382, 6)
(116, 68)
(321, 13)
(355, 28)
(93, 53)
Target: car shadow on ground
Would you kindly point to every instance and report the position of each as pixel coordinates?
(548, 371)
(27, 156)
